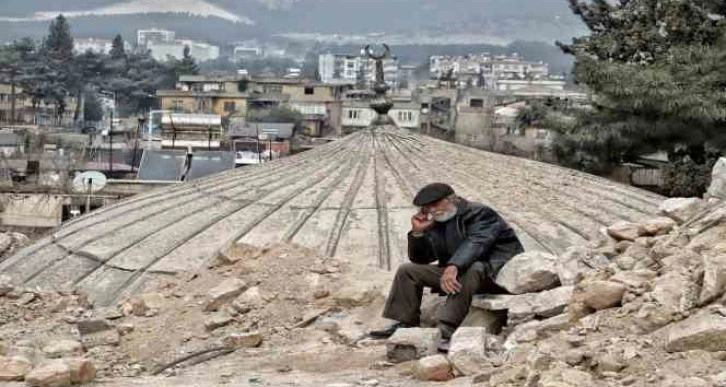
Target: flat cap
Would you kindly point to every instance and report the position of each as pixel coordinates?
(432, 193)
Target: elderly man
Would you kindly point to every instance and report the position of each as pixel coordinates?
(471, 243)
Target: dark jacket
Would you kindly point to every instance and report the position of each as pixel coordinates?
(476, 233)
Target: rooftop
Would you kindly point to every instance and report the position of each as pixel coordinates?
(349, 199)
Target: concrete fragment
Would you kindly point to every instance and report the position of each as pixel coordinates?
(26, 298)
(714, 278)
(14, 368)
(600, 295)
(577, 262)
(537, 330)
(142, 304)
(224, 293)
(250, 299)
(705, 331)
(412, 344)
(627, 231)
(90, 326)
(6, 241)
(682, 209)
(52, 373)
(82, 370)
(634, 279)
(671, 291)
(473, 349)
(717, 189)
(433, 368)
(514, 376)
(217, 320)
(19, 239)
(6, 285)
(62, 348)
(492, 321)
(357, 294)
(659, 226)
(609, 363)
(529, 272)
(243, 340)
(565, 377)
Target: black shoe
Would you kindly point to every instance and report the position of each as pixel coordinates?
(389, 331)
(444, 346)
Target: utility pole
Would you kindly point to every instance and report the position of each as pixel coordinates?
(110, 145)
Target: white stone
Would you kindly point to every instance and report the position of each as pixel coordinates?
(433, 368)
(52, 373)
(577, 262)
(412, 343)
(600, 295)
(471, 350)
(14, 368)
(223, 293)
(681, 209)
(529, 272)
(626, 231)
(704, 331)
(717, 189)
(62, 348)
(714, 278)
(250, 299)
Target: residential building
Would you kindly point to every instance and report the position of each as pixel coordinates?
(234, 96)
(485, 70)
(358, 114)
(202, 52)
(257, 142)
(99, 46)
(358, 69)
(247, 50)
(42, 113)
(154, 35)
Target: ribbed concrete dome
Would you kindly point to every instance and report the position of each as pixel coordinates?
(348, 199)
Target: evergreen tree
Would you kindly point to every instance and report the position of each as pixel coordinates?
(118, 51)
(92, 108)
(655, 68)
(59, 42)
(187, 65)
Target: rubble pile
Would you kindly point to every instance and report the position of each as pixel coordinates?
(642, 306)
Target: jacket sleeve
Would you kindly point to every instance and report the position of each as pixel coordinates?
(482, 232)
(420, 249)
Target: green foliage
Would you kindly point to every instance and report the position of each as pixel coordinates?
(92, 108)
(656, 70)
(118, 51)
(187, 65)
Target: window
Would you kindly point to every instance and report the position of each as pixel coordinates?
(405, 116)
(177, 104)
(353, 114)
(476, 103)
(273, 89)
(230, 107)
(309, 90)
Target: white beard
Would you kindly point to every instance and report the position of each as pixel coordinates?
(443, 217)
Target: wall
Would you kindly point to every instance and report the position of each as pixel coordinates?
(32, 210)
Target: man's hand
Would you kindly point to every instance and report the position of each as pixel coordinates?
(420, 223)
(449, 283)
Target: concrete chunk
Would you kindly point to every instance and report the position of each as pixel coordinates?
(52, 373)
(704, 331)
(62, 348)
(529, 272)
(412, 344)
(714, 278)
(626, 231)
(14, 368)
(472, 349)
(682, 209)
(243, 340)
(82, 370)
(433, 368)
(542, 305)
(224, 293)
(600, 295)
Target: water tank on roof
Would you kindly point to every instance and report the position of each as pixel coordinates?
(191, 119)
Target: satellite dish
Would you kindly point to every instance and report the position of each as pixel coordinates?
(89, 181)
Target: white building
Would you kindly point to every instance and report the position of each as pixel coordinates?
(154, 35)
(356, 115)
(202, 52)
(485, 70)
(246, 51)
(100, 46)
(334, 68)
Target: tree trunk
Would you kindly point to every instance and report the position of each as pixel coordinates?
(79, 102)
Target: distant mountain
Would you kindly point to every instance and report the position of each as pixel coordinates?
(229, 20)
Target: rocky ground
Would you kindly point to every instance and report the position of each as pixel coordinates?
(643, 305)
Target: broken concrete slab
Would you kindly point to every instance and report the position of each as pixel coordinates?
(659, 226)
(704, 331)
(577, 262)
(717, 189)
(600, 295)
(52, 373)
(82, 370)
(682, 209)
(714, 278)
(14, 368)
(539, 305)
(62, 348)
